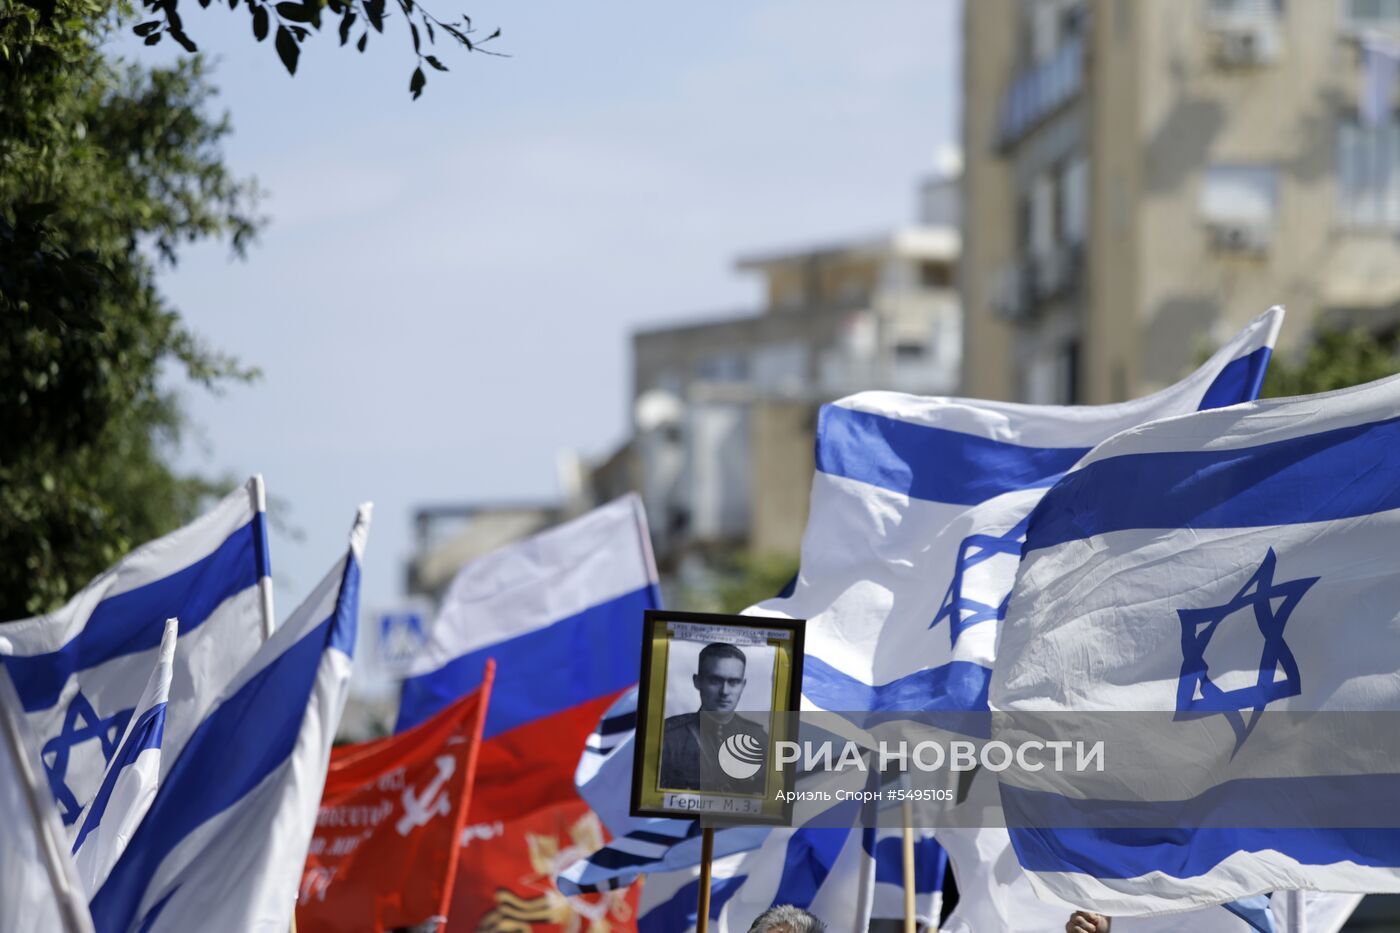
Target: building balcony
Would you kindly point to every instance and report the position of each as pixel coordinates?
(1040, 91)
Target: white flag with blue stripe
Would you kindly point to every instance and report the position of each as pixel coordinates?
(79, 671)
(39, 888)
(640, 845)
(129, 786)
(1222, 571)
(223, 844)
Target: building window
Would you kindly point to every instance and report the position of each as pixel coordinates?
(907, 351)
(935, 274)
(722, 367)
(1074, 201)
(1053, 379)
(1243, 10)
(1371, 14)
(1042, 214)
(1368, 175)
(1239, 204)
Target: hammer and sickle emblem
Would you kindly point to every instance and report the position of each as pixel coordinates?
(418, 809)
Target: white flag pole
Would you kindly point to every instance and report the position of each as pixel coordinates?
(1297, 921)
(257, 492)
(68, 894)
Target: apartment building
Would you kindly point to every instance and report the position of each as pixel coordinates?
(1143, 176)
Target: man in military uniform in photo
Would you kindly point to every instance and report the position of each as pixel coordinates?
(691, 742)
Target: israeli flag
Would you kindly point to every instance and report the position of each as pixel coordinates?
(39, 889)
(918, 512)
(129, 786)
(1216, 570)
(79, 671)
(223, 844)
(994, 893)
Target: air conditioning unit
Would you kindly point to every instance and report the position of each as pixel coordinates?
(1252, 239)
(1248, 46)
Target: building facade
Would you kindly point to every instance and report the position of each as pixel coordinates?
(1144, 176)
(725, 408)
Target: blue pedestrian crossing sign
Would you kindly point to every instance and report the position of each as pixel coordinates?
(400, 639)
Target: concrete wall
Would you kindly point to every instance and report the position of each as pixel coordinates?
(784, 437)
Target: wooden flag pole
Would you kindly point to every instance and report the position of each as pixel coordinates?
(707, 852)
(910, 923)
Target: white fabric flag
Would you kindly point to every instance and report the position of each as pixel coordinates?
(79, 671)
(129, 786)
(917, 516)
(223, 844)
(1220, 572)
(39, 890)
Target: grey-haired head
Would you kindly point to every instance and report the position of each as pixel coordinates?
(786, 919)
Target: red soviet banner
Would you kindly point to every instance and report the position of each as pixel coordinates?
(386, 846)
(527, 823)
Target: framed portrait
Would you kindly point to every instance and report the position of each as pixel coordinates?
(712, 705)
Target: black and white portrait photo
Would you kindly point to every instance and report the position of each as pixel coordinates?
(718, 705)
(715, 695)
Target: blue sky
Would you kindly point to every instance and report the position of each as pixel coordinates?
(444, 295)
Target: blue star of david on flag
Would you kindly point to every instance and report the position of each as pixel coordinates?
(961, 610)
(80, 724)
(1271, 604)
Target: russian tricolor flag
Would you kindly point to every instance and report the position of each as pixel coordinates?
(561, 614)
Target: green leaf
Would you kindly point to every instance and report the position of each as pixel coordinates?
(413, 28)
(293, 12)
(346, 22)
(260, 22)
(287, 49)
(415, 84)
(364, 40)
(153, 38)
(432, 60)
(145, 29)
